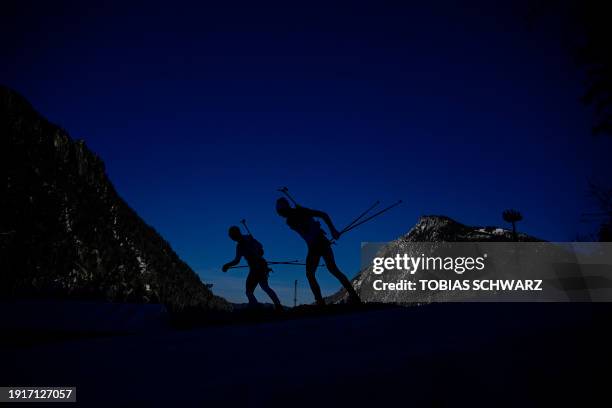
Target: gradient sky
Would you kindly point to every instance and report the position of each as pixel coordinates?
(201, 111)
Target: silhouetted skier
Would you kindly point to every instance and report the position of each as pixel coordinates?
(301, 220)
(249, 248)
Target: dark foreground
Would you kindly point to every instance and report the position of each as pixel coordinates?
(436, 355)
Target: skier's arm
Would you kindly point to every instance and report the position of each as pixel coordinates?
(326, 218)
(233, 262)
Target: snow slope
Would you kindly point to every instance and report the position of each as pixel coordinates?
(433, 355)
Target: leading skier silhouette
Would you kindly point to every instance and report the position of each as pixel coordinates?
(302, 220)
(249, 248)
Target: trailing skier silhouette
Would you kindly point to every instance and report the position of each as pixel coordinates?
(302, 220)
(252, 250)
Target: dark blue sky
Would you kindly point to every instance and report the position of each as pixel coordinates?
(201, 111)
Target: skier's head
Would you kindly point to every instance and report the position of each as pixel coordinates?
(234, 233)
(283, 207)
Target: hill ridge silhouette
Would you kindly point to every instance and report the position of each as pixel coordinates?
(66, 232)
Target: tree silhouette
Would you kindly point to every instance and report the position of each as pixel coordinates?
(604, 199)
(586, 31)
(512, 216)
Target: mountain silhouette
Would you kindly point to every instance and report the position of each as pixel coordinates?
(66, 233)
(434, 228)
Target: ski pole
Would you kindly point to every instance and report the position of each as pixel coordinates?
(361, 216)
(276, 263)
(285, 191)
(284, 262)
(372, 216)
(292, 263)
(295, 262)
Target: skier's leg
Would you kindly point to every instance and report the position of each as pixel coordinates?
(330, 262)
(251, 284)
(266, 288)
(312, 261)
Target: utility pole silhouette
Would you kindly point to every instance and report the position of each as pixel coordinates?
(512, 216)
(295, 293)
